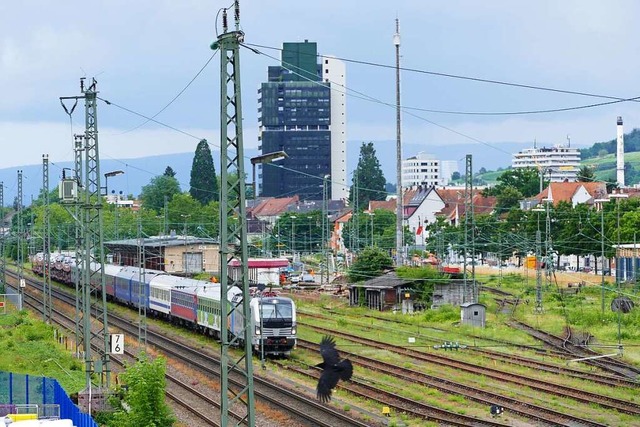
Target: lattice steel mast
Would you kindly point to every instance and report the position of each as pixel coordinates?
(233, 224)
(78, 161)
(46, 244)
(92, 264)
(20, 241)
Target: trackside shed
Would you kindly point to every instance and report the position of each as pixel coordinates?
(473, 313)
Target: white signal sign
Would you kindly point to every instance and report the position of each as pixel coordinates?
(23, 283)
(116, 342)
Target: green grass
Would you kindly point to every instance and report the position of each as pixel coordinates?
(29, 347)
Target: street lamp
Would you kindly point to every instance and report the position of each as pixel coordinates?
(602, 202)
(262, 159)
(106, 179)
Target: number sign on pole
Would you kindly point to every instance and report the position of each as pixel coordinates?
(116, 342)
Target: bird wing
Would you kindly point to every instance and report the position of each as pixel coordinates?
(345, 369)
(328, 351)
(328, 380)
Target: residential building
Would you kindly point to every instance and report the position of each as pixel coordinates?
(425, 170)
(557, 164)
(302, 111)
(574, 193)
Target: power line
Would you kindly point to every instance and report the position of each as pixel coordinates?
(471, 113)
(461, 77)
(366, 97)
(174, 98)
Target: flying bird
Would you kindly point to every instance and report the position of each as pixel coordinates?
(333, 369)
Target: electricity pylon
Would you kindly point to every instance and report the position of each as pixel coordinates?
(233, 226)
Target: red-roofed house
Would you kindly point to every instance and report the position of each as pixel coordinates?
(574, 193)
(271, 208)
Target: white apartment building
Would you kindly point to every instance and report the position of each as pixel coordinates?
(558, 164)
(334, 72)
(425, 169)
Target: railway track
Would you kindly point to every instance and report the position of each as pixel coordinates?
(67, 323)
(604, 379)
(614, 366)
(401, 404)
(524, 381)
(306, 409)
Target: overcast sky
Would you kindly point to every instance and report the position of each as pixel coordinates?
(144, 52)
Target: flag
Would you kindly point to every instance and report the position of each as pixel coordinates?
(419, 230)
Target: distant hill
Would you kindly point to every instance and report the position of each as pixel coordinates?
(138, 172)
(599, 149)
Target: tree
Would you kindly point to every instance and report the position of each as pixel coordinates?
(508, 198)
(368, 178)
(455, 176)
(525, 180)
(153, 194)
(370, 263)
(142, 401)
(169, 172)
(204, 185)
(585, 174)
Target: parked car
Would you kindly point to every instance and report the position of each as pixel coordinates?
(308, 278)
(294, 278)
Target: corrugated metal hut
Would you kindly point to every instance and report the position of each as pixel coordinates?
(473, 313)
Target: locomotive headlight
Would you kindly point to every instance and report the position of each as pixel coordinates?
(258, 330)
(293, 330)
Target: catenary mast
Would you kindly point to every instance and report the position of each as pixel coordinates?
(233, 227)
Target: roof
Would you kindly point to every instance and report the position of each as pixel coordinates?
(262, 262)
(564, 191)
(272, 206)
(410, 197)
(454, 203)
(469, 304)
(386, 281)
(163, 241)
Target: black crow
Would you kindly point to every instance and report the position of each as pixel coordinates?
(333, 369)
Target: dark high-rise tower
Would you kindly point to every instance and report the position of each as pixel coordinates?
(301, 114)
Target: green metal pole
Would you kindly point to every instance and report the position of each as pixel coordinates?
(233, 233)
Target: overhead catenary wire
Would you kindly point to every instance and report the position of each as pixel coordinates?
(174, 98)
(475, 79)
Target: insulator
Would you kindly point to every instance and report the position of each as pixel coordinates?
(237, 10)
(225, 26)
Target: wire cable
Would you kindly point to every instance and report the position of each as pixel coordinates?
(461, 77)
(174, 98)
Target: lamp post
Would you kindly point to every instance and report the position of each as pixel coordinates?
(262, 159)
(602, 202)
(106, 179)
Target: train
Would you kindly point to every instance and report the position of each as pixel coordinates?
(195, 304)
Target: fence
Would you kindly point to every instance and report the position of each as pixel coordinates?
(9, 299)
(20, 394)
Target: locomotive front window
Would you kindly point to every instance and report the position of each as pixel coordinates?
(276, 311)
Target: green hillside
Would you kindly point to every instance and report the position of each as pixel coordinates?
(601, 156)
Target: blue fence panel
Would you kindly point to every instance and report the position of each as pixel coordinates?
(20, 389)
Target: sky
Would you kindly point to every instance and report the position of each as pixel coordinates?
(143, 53)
